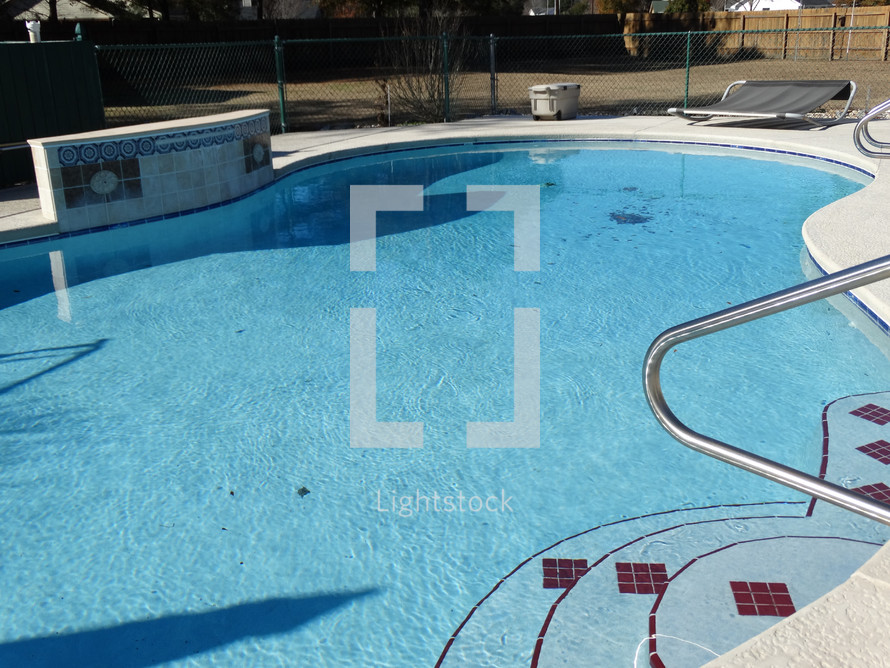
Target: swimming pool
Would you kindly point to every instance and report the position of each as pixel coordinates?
(177, 471)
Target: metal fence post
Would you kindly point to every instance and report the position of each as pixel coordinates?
(279, 73)
(445, 75)
(492, 43)
(688, 64)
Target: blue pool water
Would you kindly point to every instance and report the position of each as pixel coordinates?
(176, 478)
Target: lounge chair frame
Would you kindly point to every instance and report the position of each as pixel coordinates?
(802, 98)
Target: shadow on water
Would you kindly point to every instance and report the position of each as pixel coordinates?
(322, 230)
(154, 641)
(62, 356)
(313, 211)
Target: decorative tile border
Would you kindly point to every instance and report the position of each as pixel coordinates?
(142, 172)
(161, 144)
(874, 317)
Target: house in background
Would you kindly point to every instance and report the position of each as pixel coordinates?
(85, 10)
(67, 10)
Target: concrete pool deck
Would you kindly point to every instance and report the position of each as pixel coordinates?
(842, 234)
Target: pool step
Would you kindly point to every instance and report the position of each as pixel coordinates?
(683, 586)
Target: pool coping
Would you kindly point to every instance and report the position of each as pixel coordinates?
(842, 234)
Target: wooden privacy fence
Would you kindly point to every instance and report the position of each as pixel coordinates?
(812, 34)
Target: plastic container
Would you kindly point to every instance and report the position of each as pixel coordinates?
(33, 28)
(555, 101)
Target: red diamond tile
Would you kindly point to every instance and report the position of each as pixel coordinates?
(880, 450)
(562, 573)
(762, 598)
(873, 413)
(641, 578)
(879, 491)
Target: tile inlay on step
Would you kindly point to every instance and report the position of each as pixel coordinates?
(641, 578)
(873, 413)
(879, 492)
(879, 450)
(762, 598)
(561, 573)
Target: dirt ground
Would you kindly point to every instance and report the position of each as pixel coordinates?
(610, 89)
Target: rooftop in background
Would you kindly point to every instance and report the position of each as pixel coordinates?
(68, 10)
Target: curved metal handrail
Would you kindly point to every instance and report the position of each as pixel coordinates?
(861, 132)
(827, 286)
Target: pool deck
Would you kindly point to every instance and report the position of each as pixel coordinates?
(848, 625)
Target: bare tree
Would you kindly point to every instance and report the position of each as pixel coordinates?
(289, 9)
(428, 60)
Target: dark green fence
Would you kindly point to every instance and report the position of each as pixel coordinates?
(46, 89)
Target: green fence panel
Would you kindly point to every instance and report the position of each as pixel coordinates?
(46, 89)
(311, 84)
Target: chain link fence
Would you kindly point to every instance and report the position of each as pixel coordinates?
(338, 83)
(157, 82)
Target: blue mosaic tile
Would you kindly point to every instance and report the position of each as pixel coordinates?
(180, 141)
(128, 148)
(77, 154)
(67, 156)
(871, 315)
(88, 153)
(146, 146)
(109, 150)
(163, 147)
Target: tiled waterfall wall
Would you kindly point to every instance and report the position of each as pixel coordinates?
(144, 171)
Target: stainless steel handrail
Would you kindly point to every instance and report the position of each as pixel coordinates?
(829, 285)
(861, 132)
